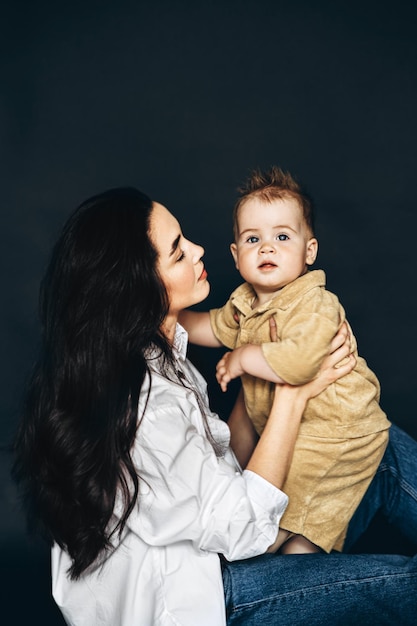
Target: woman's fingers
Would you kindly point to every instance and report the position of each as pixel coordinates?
(342, 337)
(331, 370)
(335, 358)
(345, 368)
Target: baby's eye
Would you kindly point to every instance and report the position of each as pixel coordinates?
(252, 239)
(282, 237)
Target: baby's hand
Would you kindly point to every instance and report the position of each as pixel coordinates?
(228, 368)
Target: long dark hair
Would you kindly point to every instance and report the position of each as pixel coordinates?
(102, 304)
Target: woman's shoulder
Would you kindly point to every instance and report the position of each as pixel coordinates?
(166, 403)
(159, 391)
(171, 390)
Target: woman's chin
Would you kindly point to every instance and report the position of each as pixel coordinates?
(205, 290)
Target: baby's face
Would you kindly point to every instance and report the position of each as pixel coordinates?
(274, 245)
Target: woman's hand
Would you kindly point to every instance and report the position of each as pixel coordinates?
(272, 456)
(337, 364)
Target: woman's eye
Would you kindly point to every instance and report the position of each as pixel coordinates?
(282, 237)
(181, 257)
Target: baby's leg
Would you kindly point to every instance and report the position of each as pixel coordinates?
(326, 481)
(282, 537)
(297, 544)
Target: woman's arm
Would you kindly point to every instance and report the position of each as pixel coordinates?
(272, 455)
(189, 493)
(198, 327)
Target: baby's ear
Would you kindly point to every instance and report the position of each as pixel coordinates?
(312, 249)
(233, 250)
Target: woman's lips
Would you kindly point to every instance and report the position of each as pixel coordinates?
(203, 274)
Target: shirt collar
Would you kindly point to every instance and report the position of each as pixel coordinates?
(180, 343)
(243, 296)
(179, 347)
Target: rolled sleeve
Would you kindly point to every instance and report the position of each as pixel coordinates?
(298, 357)
(189, 494)
(305, 337)
(224, 325)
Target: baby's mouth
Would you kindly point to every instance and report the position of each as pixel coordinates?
(267, 265)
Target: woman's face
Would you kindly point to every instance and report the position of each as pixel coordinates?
(179, 262)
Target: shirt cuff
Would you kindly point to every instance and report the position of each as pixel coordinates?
(264, 494)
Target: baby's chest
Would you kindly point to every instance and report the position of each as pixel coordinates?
(256, 328)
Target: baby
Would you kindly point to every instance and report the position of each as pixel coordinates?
(344, 431)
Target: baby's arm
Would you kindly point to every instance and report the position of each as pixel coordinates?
(305, 335)
(247, 359)
(198, 327)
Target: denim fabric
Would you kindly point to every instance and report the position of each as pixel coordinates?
(393, 490)
(338, 589)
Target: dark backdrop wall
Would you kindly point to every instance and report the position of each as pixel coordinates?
(182, 99)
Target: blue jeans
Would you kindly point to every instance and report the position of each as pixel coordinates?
(339, 589)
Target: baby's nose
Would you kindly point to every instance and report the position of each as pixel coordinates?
(267, 246)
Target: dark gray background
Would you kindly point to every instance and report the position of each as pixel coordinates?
(182, 99)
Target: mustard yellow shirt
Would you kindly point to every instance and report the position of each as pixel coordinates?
(307, 317)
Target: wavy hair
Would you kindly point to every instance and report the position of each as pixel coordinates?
(270, 185)
(102, 304)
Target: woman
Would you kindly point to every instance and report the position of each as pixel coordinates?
(129, 474)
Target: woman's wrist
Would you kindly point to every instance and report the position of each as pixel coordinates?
(296, 395)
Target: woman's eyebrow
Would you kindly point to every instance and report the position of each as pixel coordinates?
(175, 245)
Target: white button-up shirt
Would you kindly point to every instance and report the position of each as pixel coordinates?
(192, 506)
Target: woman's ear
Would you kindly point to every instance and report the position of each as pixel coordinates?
(233, 250)
(312, 249)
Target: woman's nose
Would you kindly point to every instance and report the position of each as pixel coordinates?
(198, 252)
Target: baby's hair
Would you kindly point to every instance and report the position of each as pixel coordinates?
(270, 185)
